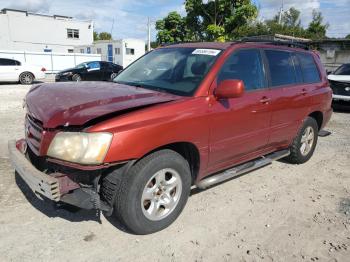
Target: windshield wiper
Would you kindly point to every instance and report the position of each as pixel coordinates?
(141, 85)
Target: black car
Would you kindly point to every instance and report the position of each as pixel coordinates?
(90, 71)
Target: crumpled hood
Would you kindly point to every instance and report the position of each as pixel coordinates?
(74, 104)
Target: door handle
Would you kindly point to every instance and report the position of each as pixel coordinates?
(265, 100)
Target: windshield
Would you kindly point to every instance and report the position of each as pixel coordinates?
(175, 70)
(343, 70)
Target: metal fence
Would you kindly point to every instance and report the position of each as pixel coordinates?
(53, 62)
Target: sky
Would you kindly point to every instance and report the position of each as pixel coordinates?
(128, 18)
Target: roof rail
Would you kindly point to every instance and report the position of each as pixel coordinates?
(276, 42)
(180, 42)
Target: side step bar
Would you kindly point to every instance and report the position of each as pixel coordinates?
(241, 169)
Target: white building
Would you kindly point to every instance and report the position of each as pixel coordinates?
(21, 30)
(122, 52)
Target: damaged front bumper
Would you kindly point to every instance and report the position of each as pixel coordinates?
(57, 187)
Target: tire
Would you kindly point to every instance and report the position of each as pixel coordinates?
(76, 78)
(113, 75)
(140, 201)
(26, 78)
(303, 146)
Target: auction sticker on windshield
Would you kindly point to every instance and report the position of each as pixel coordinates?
(211, 52)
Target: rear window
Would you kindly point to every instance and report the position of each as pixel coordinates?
(343, 70)
(281, 67)
(309, 68)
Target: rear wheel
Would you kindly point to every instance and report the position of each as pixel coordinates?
(152, 194)
(26, 78)
(305, 142)
(113, 75)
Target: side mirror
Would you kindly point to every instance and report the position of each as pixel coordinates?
(329, 72)
(230, 89)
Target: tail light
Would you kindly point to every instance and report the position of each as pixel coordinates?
(43, 69)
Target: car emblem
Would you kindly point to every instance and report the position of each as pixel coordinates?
(347, 88)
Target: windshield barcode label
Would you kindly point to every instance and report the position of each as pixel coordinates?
(212, 52)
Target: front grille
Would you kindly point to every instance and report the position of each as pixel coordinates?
(33, 133)
(339, 88)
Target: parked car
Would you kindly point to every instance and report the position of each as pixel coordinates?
(183, 115)
(14, 71)
(340, 83)
(90, 71)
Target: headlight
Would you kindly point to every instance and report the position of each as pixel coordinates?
(79, 147)
(67, 73)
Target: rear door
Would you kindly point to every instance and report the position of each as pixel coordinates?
(291, 89)
(239, 127)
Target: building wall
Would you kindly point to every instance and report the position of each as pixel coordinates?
(124, 46)
(333, 53)
(32, 32)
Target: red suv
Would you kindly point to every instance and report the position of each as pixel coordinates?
(183, 115)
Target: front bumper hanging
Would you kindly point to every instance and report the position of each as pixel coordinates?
(38, 182)
(57, 186)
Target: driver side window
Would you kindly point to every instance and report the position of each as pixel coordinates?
(94, 66)
(245, 65)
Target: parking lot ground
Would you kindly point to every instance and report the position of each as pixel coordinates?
(281, 212)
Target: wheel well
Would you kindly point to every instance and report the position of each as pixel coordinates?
(188, 151)
(318, 116)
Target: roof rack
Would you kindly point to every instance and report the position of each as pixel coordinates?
(275, 42)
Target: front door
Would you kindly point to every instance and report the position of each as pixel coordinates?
(93, 71)
(239, 127)
(8, 70)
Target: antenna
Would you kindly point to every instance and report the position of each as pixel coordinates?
(149, 35)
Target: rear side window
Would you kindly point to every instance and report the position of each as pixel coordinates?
(245, 65)
(281, 67)
(309, 68)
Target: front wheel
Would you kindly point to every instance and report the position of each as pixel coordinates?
(76, 78)
(152, 194)
(304, 144)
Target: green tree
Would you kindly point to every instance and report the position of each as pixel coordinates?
(96, 36)
(104, 36)
(218, 19)
(348, 36)
(291, 18)
(317, 29)
(172, 29)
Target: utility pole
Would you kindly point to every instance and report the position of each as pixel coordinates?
(281, 12)
(149, 35)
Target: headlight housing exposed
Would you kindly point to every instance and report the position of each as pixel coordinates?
(80, 147)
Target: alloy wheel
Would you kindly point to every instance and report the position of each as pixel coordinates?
(307, 141)
(161, 194)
